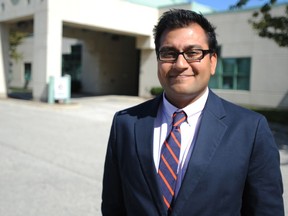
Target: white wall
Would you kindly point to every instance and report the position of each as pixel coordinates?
(269, 62)
(148, 73)
(117, 17)
(4, 59)
(26, 52)
(269, 73)
(109, 64)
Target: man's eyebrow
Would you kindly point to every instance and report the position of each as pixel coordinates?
(171, 48)
(190, 47)
(167, 48)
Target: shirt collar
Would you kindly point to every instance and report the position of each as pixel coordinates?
(190, 110)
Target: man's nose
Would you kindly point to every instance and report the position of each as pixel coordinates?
(181, 62)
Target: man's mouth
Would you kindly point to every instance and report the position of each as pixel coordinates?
(182, 75)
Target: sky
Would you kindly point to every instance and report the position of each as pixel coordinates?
(217, 5)
(224, 4)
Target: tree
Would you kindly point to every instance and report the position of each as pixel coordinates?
(266, 25)
(15, 39)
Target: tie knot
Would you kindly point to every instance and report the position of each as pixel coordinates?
(178, 118)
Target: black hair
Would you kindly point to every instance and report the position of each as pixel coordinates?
(179, 18)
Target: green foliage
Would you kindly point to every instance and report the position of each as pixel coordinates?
(15, 39)
(19, 90)
(156, 91)
(266, 25)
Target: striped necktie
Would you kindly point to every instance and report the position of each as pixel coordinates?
(169, 159)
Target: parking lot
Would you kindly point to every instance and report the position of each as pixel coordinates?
(52, 156)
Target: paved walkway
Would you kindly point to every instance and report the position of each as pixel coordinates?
(51, 156)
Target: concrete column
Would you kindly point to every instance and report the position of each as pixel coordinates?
(148, 72)
(47, 51)
(4, 59)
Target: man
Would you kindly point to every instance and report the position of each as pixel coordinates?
(226, 162)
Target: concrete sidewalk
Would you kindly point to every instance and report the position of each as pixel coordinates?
(51, 156)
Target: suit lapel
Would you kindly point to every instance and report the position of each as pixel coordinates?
(144, 130)
(211, 131)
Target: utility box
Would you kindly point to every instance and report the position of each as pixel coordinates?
(59, 89)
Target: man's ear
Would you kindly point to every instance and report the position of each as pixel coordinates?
(213, 63)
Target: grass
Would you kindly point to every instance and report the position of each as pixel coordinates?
(19, 90)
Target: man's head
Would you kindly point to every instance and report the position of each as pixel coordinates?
(186, 51)
(179, 18)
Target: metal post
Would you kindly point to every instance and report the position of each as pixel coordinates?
(68, 80)
(51, 99)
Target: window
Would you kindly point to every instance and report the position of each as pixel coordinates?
(232, 73)
(27, 74)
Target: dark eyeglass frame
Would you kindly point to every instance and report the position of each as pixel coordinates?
(184, 53)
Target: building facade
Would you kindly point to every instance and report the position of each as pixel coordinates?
(251, 70)
(107, 48)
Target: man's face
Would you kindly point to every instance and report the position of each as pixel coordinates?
(185, 82)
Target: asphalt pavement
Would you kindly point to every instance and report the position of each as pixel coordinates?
(52, 156)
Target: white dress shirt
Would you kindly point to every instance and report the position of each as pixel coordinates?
(163, 125)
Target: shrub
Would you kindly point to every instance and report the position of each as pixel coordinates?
(156, 91)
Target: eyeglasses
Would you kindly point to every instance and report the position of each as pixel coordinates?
(190, 55)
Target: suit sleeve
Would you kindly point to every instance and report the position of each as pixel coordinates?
(112, 197)
(263, 189)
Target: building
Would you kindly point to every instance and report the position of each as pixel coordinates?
(251, 70)
(107, 48)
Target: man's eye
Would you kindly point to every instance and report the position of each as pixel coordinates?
(192, 53)
(169, 54)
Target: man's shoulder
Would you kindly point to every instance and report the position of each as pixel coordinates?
(148, 107)
(236, 110)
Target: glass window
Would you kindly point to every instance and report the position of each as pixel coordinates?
(27, 74)
(27, 71)
(232, 73)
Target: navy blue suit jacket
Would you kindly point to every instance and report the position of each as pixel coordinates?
(233, 170)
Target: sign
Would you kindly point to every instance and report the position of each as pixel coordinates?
(61, 88)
